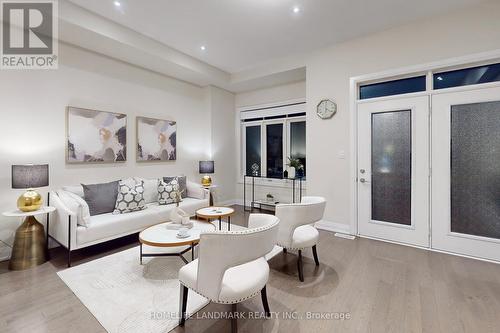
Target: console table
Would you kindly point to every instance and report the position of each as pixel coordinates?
(259, 202)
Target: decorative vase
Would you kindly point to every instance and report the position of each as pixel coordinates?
(291, 173)
(300, 173)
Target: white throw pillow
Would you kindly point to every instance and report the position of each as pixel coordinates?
(195, 190)
(150, 190)
(77, 205)
(167, 191)
(130, 198)
(76, 189)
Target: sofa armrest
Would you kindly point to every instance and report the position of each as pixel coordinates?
(63, 222)
(197, 191)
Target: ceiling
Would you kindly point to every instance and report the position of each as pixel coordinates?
(243, 34)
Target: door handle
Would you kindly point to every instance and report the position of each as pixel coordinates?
(362, 180)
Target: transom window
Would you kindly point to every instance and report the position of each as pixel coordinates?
(467, 76)
(394, 87)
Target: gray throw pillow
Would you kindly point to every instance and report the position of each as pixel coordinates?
(181, 181)
(101, 198)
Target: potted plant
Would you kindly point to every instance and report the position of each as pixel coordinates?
(269, 197)
(296, 167)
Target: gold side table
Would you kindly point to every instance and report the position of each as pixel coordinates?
(30, 246)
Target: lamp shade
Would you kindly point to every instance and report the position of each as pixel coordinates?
(30, 176)
(207, 167)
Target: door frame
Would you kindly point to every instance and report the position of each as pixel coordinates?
(418, 231)
(443, 237)
(427, 69)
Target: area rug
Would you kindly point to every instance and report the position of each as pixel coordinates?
(125, 296)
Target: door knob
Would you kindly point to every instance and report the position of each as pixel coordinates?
(362, 170)
(362, 180)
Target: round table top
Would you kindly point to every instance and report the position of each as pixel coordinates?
(214, 212)
(159, 235)
(18, 213)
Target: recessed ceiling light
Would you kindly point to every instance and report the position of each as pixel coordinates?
(117, 3)
(296, 9)
(203, 47)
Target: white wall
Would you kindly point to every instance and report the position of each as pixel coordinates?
(222, 120)
(460, 33)
(280, 93)
(32, 127)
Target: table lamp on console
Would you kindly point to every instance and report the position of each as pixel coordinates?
(206, 168)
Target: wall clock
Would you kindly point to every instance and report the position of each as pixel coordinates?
(326, 109)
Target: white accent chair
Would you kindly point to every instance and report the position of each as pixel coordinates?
(296, 231)
(231, 266)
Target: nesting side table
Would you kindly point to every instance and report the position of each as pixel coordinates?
(30, 243)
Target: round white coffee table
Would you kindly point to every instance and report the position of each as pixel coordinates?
(160, 236)
(210, 213)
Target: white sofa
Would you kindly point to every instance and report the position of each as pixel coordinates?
(67, 230)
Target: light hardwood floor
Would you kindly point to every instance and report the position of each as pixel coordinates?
(383, 287)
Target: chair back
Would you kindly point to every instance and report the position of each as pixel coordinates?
(309, 210)
(221, 250)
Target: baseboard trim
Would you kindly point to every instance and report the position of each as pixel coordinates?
(230, 202)
(430, 249)
(336, 227)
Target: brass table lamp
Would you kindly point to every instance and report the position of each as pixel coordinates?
(206, 167)
(29, 247)
(29, 177)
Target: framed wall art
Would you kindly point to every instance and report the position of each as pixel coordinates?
(95, 136)
(156, 139)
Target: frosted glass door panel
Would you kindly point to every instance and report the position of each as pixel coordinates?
(475, 169)
(391, 167)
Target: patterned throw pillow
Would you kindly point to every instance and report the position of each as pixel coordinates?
(182, 181)
(167, 191)
(130, 197)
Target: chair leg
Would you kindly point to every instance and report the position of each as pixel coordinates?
(284, 250)
(299, 266)
(315, 254)
(234, 319)
(263, 295)
(183, 304)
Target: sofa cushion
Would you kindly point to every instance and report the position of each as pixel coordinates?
(101, 198)
(110, 226)
(182, 181)
(167, 191)
(191, 205)
(77, 205)
(130, 198)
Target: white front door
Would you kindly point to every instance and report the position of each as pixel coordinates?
(466, 172)
(393, 170)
